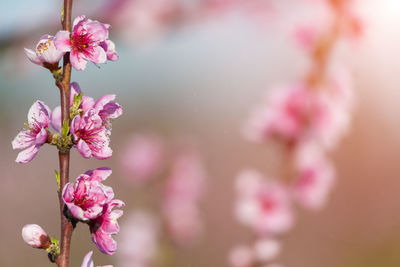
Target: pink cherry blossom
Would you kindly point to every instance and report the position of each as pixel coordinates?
(142, 157)
(283, 116)
(90, 136)
(86, 104)
(241, 256)
(87, 198)
(84, 43)
(266, 249)
(183, 193)
(263, 204)
(296, 113)
(35, 236)
(35, 135)
(88, 261)
(46, 54)
(138, 240)
(106, 225)
(315, 177)
(105, 107)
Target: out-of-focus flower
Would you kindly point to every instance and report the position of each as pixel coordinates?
(84, 42)
(32, 138)
(266, 249)
(183, 193)
(315, 177)
(88, 197)
(265, 207)
(88, 261)
(298, 113)
(138, 240)
(46, 54)
(106, 225)
(35, 236)
(241, 256)
(142, 157)
(90, 135)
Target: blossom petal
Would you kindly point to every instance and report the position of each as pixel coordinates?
(23, 140)
(104, 242)
(77, 60)
(39, 113)
(27, 155)
(41, 137)
(98, 30)
(84, 149)
(97, 55)
(99, 174)
(87, 260)
(55, 120)
(103, 101)
(62, 41)
(77, 20)
(32, 56)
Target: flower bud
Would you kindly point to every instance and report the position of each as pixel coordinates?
(35, 236)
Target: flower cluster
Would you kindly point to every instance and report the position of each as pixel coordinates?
(307, 118)
(88, 41)
(180, 172)
(91, 202)
(88, 129)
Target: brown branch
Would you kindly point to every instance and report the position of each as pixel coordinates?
(64, 85)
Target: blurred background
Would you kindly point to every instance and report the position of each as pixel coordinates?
(190, 77)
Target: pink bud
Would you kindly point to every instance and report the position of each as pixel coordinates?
(35, 236)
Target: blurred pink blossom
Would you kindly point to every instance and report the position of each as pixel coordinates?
(183, 192)
(241, 256)
(266, 249)
(315, 177)
(142, 158)
(138, 240)
(262, 204)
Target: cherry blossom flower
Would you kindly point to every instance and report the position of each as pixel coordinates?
(90, 136)
(88, 197)
(88, 261)
(263, 204)
(84, 42)
(35, 135)
(105, 107)
(315, 177)
(298, 112)
(138, 240)
(106, 225)
(142, 157)
(35, 236)
(183, 193)
(266, 249)
(46, 54)
(241, 256)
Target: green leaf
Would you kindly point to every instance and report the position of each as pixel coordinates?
(65, 129)
(77, 101)
(58, 180)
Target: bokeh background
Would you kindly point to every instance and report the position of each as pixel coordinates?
(197, 80)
